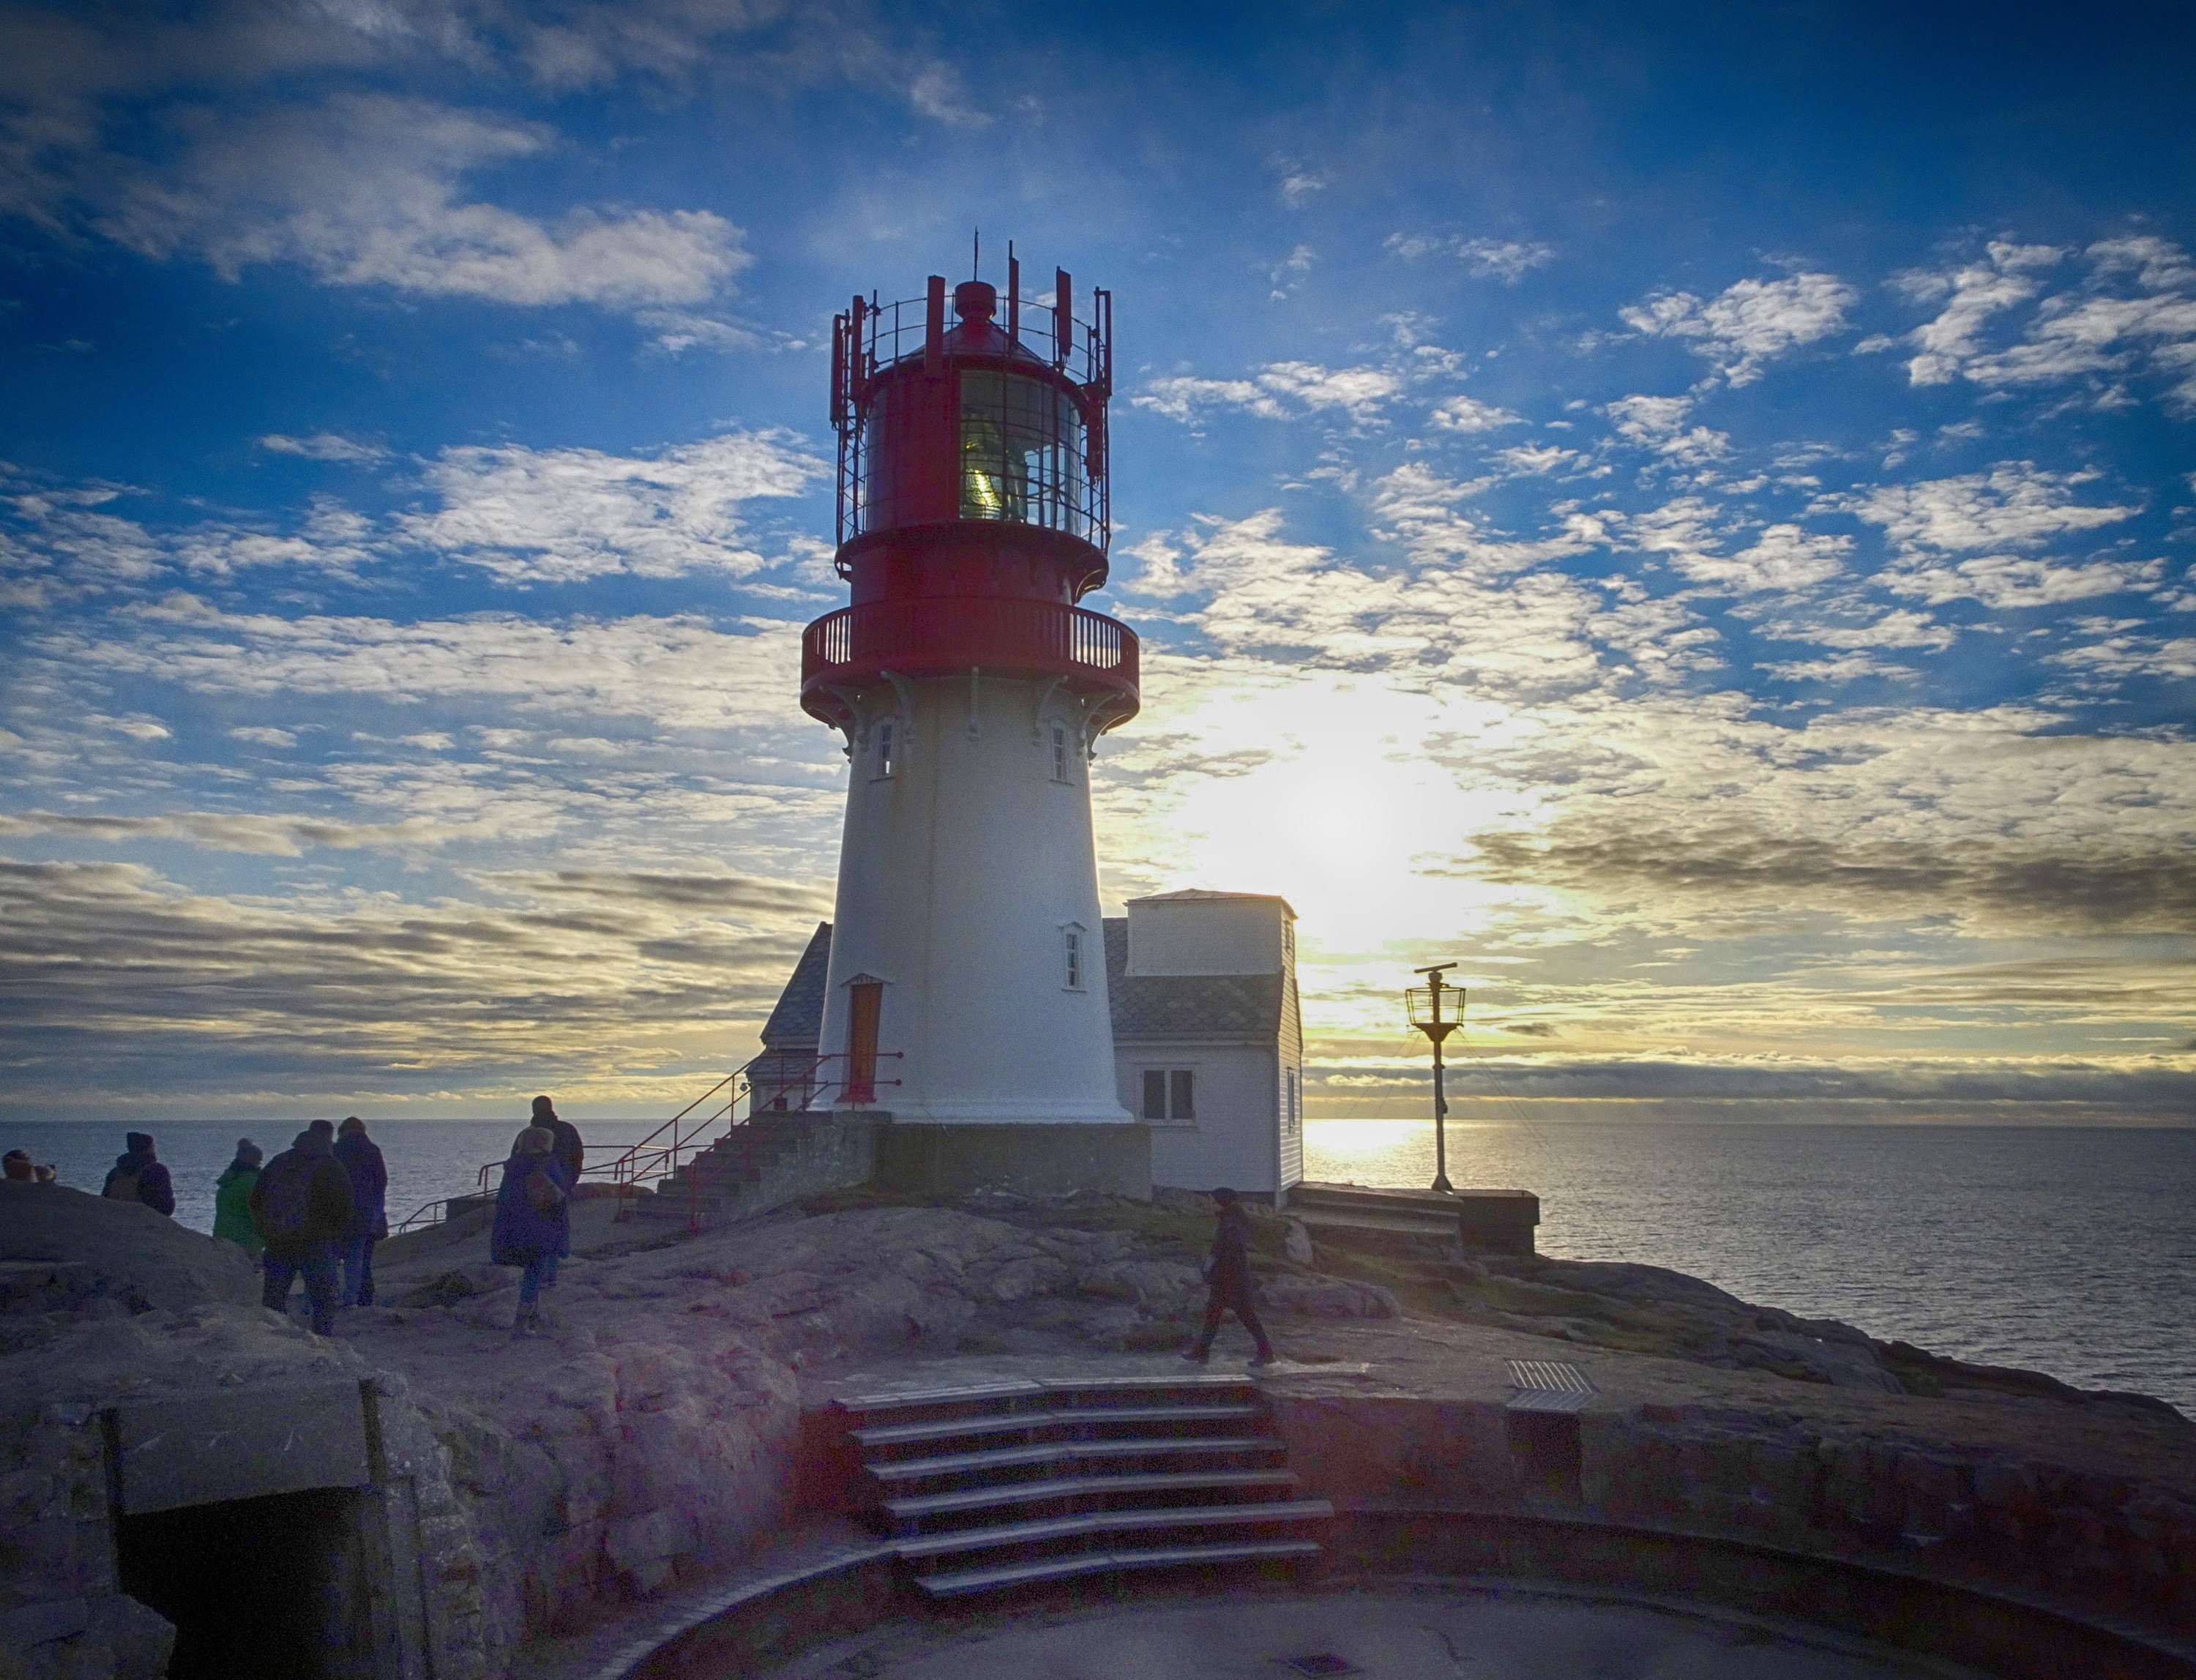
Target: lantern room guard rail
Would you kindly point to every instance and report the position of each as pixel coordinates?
(1057, 475)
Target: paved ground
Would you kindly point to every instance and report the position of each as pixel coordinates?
(1444, 1633)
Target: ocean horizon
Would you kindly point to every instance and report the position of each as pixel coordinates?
(2068, 1250)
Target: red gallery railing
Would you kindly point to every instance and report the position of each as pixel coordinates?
(932, 636)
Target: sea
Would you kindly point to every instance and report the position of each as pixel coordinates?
(2065, 1250)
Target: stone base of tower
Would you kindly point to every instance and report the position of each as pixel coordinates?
(1031, 1158)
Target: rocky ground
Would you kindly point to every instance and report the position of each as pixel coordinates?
(648, 1437)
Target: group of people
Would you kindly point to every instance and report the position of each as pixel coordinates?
(316, 1211)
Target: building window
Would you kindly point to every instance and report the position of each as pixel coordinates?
(1291, 1113)
(1071, 948)
(1059, 753)
(887, 747)
(1169, 1093)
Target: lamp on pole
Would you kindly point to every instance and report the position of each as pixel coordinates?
(1424, 1004)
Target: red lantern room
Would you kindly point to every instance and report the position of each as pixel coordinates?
(973, 507)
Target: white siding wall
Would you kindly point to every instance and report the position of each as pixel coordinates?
(1233, 1139)
(1204, 936)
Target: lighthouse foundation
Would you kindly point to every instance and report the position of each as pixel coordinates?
(1031, 1158)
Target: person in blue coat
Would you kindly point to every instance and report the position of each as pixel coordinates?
(532, 1225)
(369, 1214)
(138, 1177)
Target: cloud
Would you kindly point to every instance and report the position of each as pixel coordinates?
(2014, 504)
(1748, 324)
(1782, 557)
(1505, 260)
(1899, 628)
(2122, 654)
(2135, 311)
(936, 92)
(325, 446)
(681, 891)
(365, 191)
(1848, 667)
(1658, 423)
(2006, 581)
(264, 735)
(2102, 888)
(680, 672)
(1468, 414)
(561, 516)
(1281, 390)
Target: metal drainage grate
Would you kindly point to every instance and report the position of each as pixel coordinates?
(1548, 1385)
(1321, 1663)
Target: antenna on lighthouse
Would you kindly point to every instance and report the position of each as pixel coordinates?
(976, 256)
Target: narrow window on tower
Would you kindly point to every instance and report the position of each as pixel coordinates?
(1059, 752)
(1289, 1112)
(888, 749)
(1071, 951)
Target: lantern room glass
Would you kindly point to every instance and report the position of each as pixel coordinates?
(1021, 453)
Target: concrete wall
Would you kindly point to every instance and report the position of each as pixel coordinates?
(958, 876)
(933, 1159)
(1207, 936)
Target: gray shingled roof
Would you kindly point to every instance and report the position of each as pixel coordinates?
(1186, 1006)
(798, 1020)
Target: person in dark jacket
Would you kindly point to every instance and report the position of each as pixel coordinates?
(232, 1200)
(1228, 1273)
(301, 1206)
(135, 1176)
(569, 1149)
(16, 1164)
(369, 1215)
(533, 1221)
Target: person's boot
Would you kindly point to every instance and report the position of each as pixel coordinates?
(529, 1320)
(1264, 1356)
(1198, 1353)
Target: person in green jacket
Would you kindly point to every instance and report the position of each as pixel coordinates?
(232, 1200)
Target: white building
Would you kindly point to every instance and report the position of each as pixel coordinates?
(1208, 1049)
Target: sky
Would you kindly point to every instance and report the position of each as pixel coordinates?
(1688, 511)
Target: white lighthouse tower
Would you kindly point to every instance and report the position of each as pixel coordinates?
(966, 995)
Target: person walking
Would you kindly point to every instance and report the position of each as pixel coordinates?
(136, 1176)
(1227, 1272)
(361, 1157)
(301, 1206)
(532, 1225)
(232, 1200)
(569, 1149)
(16, 1164)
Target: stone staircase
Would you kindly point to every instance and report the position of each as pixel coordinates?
(763, 1163)
(980, 1489)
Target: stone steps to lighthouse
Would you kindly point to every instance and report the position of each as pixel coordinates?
(985, 1488)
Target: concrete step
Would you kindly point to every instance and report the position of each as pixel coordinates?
(873, 1437)
(958, 1582)
(906, 1515)
(1034, 1394)
(911, 1475)
(1046, 1531)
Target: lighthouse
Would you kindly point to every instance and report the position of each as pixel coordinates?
(966, 991)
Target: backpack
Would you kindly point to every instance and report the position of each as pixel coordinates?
(123, 1187)
(286, 1195)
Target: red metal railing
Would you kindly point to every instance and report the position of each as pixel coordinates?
(930, 636)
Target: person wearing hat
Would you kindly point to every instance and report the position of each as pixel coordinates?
(532, 1225)
(16, 1164)
(232, 1200)
(1228, 1273)
(135, 1176)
